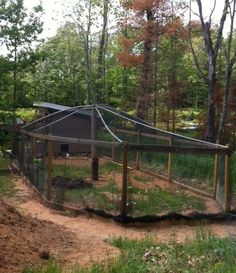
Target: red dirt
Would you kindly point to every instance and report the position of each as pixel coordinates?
(26, 241)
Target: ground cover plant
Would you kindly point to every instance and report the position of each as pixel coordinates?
(205, 253)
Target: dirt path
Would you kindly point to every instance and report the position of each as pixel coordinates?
(93, 232)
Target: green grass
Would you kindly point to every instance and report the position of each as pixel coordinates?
(154, 201)
(143, 179)
(74, 172)
(141, 202)
(6, 185)
(194, 170)
(205, 254)
(95, 197)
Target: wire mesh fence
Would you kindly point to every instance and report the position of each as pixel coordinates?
(141, 170)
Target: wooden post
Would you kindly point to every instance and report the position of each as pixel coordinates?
(227, 184)
(33, 159)
(49, 190)
(169, 161)
(113, 148)
(138, 153)
(93, 147)
(215, 177)
(124, 180)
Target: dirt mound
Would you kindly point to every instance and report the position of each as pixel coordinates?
(68, 183)
(25, 241)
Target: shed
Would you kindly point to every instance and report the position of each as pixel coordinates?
(66, 125)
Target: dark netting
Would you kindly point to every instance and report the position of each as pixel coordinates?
(83, 168)
(233, 182)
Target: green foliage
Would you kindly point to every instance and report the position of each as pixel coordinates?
(27, 114)
(19, 29)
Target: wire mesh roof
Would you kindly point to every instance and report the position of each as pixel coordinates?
(114, 126)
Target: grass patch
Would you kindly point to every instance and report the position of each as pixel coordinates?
(158, 200)
(94, 198)
(74, 172)
(6, 185)
(206, 253)
(143, 179)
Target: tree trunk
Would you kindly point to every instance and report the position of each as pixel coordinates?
(212, 54)
(88, 55)
(210, 132)
(15, 79)
(144, 93)
(228, 72)
(101, 54)
(155, 86)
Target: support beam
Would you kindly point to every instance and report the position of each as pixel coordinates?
(227, 184)
(138, 153)
(169, 162)
(215, 177)
(94, 129)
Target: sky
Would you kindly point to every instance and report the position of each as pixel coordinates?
(55, 10)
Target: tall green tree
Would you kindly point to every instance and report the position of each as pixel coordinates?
(19, 30)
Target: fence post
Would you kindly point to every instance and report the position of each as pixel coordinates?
(93, 147)
(124, 180)
(49, 180)
(169, 161)
(215, 177)
(113, 147)
(33, 159)
(138, 153)
(227, 184)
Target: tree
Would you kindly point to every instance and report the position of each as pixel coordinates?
(212, 47)
(230, 61)
(59, 75)
(100, 86)
(146, 18)
(19, 30)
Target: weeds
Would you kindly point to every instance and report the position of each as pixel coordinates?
(6, 185)
(154, 201)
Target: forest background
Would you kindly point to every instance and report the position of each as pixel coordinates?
(157, 59)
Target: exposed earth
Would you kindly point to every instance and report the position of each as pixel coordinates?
(31, 233)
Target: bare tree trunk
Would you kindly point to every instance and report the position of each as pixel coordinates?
(15, 79)
(212, 54)
(88, 55)
(101, 56)
(155, 86)
(228, 72)
(144, 93)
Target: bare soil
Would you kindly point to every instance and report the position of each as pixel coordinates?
(26, 241)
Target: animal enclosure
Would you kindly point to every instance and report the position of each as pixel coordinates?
(130, 169)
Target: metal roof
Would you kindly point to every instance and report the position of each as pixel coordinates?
(50, 105)
(58, 107)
